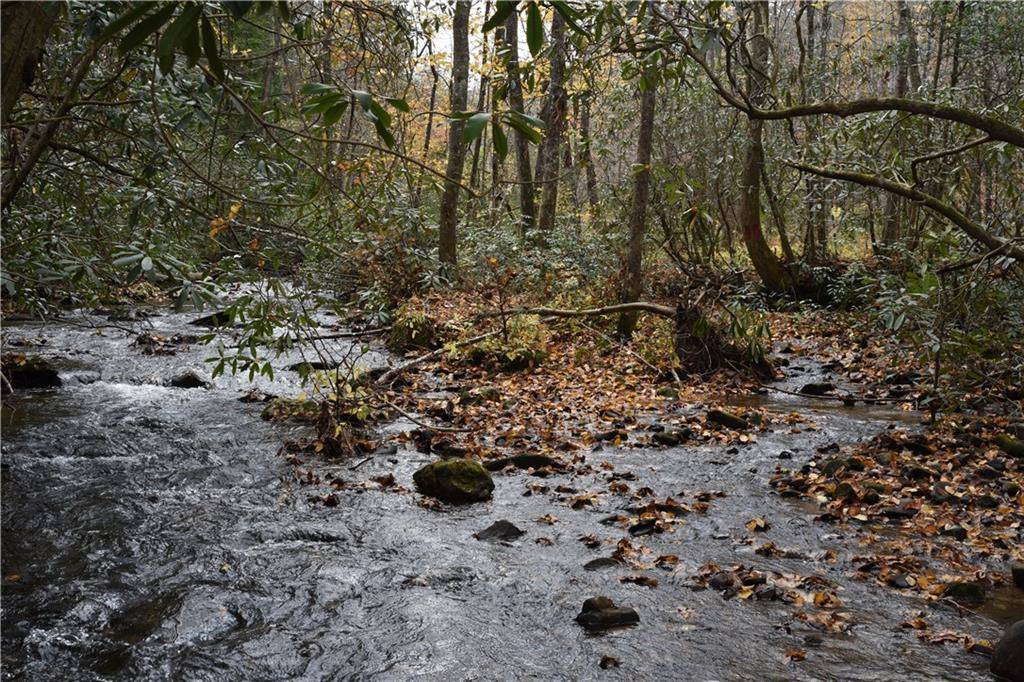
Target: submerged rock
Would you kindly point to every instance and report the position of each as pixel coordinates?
(1008, 656)
(458, 481)
(601, 563)
(500, 531)
(728, 420)
(601, 613)
(22, 371)
(189, 379)
(967, 593)
(220, 318)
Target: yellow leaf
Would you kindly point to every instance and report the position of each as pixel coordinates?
(217, 226)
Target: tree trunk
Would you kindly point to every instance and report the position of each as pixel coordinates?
(456, 148)
(481, 98)
(632, 282)
(496, 160)
(586, 157)
(527, 204)
(554, 114)
(26, 26)
(767, 265)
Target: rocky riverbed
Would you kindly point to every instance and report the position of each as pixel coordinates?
(153, 531)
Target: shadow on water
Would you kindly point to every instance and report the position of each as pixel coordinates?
(153, 533)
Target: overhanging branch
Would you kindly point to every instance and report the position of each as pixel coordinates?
(971, 228)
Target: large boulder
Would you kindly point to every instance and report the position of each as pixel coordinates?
(458, 481)
(1008, 656)
(22, 371)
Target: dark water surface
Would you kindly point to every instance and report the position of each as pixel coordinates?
(153, 533)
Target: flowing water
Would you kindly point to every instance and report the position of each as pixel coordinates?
(154, 533)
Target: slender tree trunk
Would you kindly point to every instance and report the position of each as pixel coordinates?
(480, 99)
(26, 26)
(554, 115)
(527, 204)
(779, 216)
(496, 160)
(586, 156)
(909, 37)
(632, 282)
(430, 111)
(765, 262)
(813, 203)
(456, 147)
(891, 229)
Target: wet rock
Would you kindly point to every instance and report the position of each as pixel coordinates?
(1008, 656)
(965, 593)
(600, 564)
(728, 420)
(955, 532)
(600, 613)
(844, 491)
(832, 465)
(899, 513)
(220, 318)
(315, 366)
(611, 434)
(988, 501)
(458, 481)
(500, 531)
(871, 497)
(989, 473)
(255, 395)
(1017, 572)
(918, 473)
(939, 495)
(818, 388)
(189, 379)
(644, 527)
(900, 581)
(722, 580)
(1010, 445)
(23, 371)
(897, 378)
(671, 437)
(523, 461)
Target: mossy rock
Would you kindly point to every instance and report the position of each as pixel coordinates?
(411, 331)
(728, 420)
(1010, 445)
(458, 481)
(296, 409)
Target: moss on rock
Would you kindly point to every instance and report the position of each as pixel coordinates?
(458, 481)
